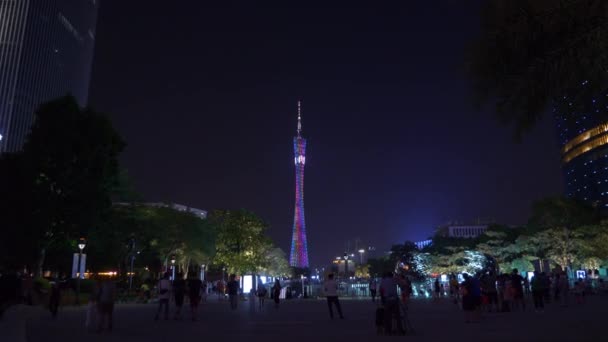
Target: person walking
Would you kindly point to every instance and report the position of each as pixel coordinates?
(261, 293)
(276, 293)
(372, 289)
(330, 288)
(233, 291)
(107, 295)
(164, 293)
(538, 291)
(54, 299)
(179, 292)
(195, 287)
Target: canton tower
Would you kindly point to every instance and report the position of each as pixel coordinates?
(299, 249)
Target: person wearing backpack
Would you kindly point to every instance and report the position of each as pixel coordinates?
(164, 293)
(262, 292)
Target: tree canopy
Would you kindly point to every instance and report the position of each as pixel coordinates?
(531, 52)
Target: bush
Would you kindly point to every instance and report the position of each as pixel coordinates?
(42, 285)
(86, 285)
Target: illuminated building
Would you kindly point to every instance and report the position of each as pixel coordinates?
(582, 125)
(299, 247)
(424, 243)
(466, 231)
(46, 51)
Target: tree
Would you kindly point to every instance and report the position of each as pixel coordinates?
(276, 264)
(241, 241)
(403, 257)
(564, 245)
(379, 266)
(69, 166)
(561, 212)
(497, 246)
(532, 52)
(362, 271)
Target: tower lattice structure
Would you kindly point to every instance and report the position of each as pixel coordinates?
(299, 246)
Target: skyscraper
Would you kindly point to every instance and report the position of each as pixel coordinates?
(299, 247)
(46, 51)
(582, 125)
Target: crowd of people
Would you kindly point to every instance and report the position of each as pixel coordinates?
(488, 292)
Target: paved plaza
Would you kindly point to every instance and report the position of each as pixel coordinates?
(308, 320)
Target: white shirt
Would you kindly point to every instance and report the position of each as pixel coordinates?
(331, 288)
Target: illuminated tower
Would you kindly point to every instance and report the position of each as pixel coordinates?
(299, 249)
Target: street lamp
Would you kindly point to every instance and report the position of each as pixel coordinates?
(132, 249)
(346, 264)
(82, 243)
(361, 251)
(173, 267)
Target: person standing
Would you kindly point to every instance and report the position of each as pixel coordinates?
(54, 299)
(563, 288)
(276, 293)
(538, 291)
(390, 299)
(518, 290)
(331, 292)
(107, 295)
(179, 292)
(164, 293)
(372, 289)
(233, 291)
(454, 292)
(437, 288)
(195, 287)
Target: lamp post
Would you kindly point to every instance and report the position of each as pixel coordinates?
(173, 267)
(82, 243)
(203, 272)
(361, 251)
(132, 248)
(303, 291)
(346, 264)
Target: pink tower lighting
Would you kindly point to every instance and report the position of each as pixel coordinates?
(299, 247)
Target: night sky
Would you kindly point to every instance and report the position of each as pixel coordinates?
(206, 99)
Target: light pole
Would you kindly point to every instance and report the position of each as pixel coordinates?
(303, 291)
(346, 265)
(361, 251)
(203, 272)
(132, 248)
(82, 243)
(173, 267)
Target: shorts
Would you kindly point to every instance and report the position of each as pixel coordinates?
(194, 300)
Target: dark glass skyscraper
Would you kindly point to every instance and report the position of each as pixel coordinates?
(46, 51)
(582, 125)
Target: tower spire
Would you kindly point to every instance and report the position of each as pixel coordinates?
(299, 117)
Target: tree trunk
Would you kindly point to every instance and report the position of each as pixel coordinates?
(40, 263)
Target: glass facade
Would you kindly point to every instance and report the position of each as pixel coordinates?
(582, 127)
(46, 51)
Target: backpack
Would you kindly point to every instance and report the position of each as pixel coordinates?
(161, 290)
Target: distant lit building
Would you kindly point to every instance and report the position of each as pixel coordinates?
(46, 51)
(582, 127)
(424, 243)
(466, 231)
